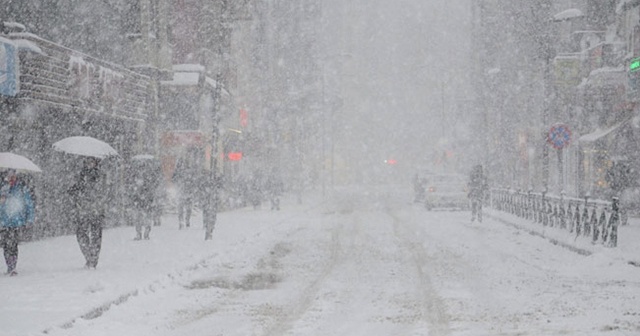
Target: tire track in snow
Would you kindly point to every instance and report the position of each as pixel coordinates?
(433, 308)
(308, 295)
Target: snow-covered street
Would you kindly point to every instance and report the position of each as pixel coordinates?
(363, 262)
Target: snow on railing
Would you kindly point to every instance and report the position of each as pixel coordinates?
(594, 218)
(65, 77)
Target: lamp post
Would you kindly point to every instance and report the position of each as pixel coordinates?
(212, 184)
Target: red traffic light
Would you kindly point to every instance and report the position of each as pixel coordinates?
(234, 156)
(390, 161)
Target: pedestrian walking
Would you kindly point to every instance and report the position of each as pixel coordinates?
(185, 178)
(145, 182)
(477, 188)
(255, 190)
(88, 198)
(418, 188)
(17, 210)
(274, 189)
(157, 206)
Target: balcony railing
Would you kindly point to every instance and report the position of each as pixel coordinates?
(68, 78)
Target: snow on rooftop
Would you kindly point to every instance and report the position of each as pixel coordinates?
(211, 82)
(29, 46)
(76, 60)
(606, 70)
(143, 157)
(108, 73)
(493, 71)
(188, 67)
(599, 133)
(6, 41)
(183, 78)
(15, 25)
(571, 13)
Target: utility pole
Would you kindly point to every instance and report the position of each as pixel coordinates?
(210, 211)
(546, 46)
(225, 18)
(444, 115)
(480, 74)
(213, 182)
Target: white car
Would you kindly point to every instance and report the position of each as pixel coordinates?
(446, 192)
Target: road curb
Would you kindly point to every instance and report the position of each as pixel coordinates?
(570, 247)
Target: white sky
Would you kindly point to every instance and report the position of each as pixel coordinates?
(365, 262)
(404, 76)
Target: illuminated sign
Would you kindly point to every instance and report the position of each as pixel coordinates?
(634, 65)
(234, 156)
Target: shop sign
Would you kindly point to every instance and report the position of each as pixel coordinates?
(634, 65)
(567, 71)
(9, 70)
(634, 77)
(183, 139)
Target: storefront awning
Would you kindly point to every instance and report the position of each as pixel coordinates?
(599, 134)
(607, 77)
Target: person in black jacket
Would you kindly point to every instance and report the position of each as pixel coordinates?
(144, 185)
(477, 188)
(186, 179)
(88, 197)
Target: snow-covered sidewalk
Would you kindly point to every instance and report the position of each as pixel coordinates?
(53, 289)
(628, 249)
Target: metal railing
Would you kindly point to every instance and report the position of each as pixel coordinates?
(594, 218)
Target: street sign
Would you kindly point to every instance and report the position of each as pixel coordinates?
(567, 70)
(559, 136)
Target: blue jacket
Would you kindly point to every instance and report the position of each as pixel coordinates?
(16, 206)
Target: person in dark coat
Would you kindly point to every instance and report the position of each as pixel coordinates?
(477, 188)
(159, 199)
(144, 187)
(17, 210)
(88, 197)
(274, 189)
(185, 177)
(255, 190)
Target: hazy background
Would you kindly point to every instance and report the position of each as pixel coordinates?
(401, 70)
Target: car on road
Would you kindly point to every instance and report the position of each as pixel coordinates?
(446, 192)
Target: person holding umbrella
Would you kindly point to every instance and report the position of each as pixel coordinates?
(89, 195)
(88, 199)
(16, 211)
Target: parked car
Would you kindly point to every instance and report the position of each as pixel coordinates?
(446, 191)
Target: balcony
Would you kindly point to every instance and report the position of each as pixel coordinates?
(65, 78)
